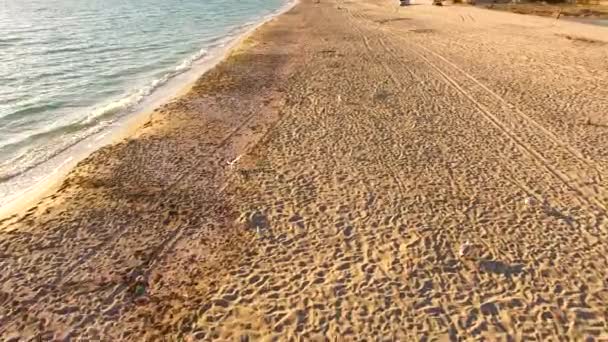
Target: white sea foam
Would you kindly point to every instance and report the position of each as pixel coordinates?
(59, 144)
(131, 100)
(95, 121)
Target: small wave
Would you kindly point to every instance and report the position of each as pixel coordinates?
(135, 98)
(94, 122)
(11, 40)
(29, 110)
(38, 155)
(68, 49)
(187, 63)
(41, 146)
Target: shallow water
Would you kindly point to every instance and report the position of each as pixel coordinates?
(72, 68)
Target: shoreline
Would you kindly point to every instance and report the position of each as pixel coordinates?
(156, 190)
(129, 125)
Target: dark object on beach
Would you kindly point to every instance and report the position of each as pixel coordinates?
(466, 250)
(140, 290)
(404, 3)
(499, 267)
(437, 3)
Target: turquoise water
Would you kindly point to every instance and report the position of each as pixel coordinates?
(70, 68)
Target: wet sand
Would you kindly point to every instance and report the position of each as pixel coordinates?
(353, 170)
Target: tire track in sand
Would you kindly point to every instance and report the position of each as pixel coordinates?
(585, 194)
(448, 321)
(589, 235)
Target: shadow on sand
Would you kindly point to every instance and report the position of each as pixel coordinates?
(499, 267)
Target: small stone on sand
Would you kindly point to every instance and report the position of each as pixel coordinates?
(531, 201)
(140, 290)
(465, 249)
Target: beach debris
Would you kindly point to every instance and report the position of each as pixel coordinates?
(140, 290)
(531, 201)
(139, 286)
(255, 220)
(465, 249)
(231, 164)
(297, 222)
(258, 220)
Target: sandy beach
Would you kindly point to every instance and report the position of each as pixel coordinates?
(353, 170)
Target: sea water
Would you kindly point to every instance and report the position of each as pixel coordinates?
(70, 69)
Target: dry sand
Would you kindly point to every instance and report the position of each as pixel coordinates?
(373, 145)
